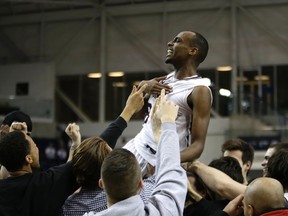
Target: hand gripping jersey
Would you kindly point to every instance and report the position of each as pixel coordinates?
(144, 141)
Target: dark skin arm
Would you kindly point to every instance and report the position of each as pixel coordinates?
(200, 102)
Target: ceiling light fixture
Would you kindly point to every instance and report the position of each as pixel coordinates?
(262, 78)
(119, 84)
(94, 75)
(224, 68)
(116, 74)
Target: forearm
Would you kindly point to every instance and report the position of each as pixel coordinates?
(171, 179)
(192, 152)
(218, 181)
(72, 149)
(127, 113)
(114, 131)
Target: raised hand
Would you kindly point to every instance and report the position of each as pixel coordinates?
(135, 100)
(134, 103)
(19, 126)
(155, 121)
(4, 129)
(166, 110)
(73, 131)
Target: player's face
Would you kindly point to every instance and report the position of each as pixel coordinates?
(34, 152)
(179, 47)
(268, 154)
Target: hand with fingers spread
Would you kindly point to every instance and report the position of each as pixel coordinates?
(19, 126)
(134, 103)
(154, 86)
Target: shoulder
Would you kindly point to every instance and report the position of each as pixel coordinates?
(200, 93)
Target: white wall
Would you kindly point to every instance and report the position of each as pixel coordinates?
(41, 80)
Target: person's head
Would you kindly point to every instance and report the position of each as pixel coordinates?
(18, 150)
(230, 166)
(87, 161)
(197, 185)
(261, 195)
(240, 150)
(272, 149)
(277, 167)
(18, 116)
(187, 46)
(120, 176)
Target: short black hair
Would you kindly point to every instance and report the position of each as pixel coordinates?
(277, 167)
(230, 166)
(14, 147)
(278, 146)
(202, 44)
(18, 116)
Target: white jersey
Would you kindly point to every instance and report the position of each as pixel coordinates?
(144, 141)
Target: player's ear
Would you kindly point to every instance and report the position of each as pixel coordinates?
(193, 51)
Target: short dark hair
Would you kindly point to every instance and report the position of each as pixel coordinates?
(14, 147)
(230, 166)
(200, 187)
(239, 144)
(279, 146)
(121, 174)
(277, 167)
(18, 116)
(87, 161)
(202, 44)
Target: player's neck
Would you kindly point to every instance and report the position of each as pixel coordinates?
(185, 72)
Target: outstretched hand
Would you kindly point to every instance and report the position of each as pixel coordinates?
(135, 100)
(162, 111)
(134, 103)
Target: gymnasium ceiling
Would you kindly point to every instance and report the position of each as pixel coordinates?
(17, 7)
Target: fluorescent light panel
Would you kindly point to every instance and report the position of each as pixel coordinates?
(224, 68)
(119, 84)
(116, 74)
(94, 75)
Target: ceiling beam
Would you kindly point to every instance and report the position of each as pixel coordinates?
(127, 10)
(65, 2)
(122, 10)
(13, 48)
